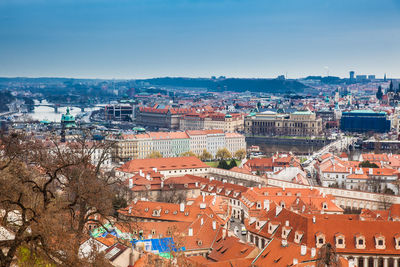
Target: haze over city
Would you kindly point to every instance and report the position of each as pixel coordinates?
(233, 38)
(200, 133)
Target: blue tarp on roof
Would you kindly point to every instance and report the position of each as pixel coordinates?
(160, 245)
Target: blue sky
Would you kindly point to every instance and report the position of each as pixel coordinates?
(198, 38)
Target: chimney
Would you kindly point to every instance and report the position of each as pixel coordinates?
(313, 219)
(204, 196)
(148, 177)
(266, 205)
(201, 221)
(303, 250)
(130, 183)
(203, 206)
(287, 223)
(182, 207)
(370, 171)
(155, 169)
(130, 210)
(313, 252)
(190, 231)
(284, 243)
(259, 186)
(213, 201)
(162, 184)
(295, 261)
(214, 225)
(223, 233)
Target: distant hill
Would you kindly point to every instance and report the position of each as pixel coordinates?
(232, 84)
(5, 98)
(229, 84)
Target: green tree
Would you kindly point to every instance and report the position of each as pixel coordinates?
(240, 154)
(223, 165)
(232, 164)
(223, 153)
(367, 164)
(188, 154)
(205, 155)
(155, 155)
(379, 94)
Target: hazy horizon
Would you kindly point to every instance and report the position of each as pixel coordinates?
(142, 39)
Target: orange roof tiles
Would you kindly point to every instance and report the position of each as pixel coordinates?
(350, 226)
(232, 247)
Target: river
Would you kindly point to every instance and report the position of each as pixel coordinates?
(47, 113)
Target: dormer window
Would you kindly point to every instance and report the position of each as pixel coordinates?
(339, 238)
(258, 205)
(320, 240)
(380, 242)
(153, 232)
(156, 213)
(397, 241)
(219, 190)
(227, 192)
(282, 204)
(297, 237)
(186, 185)
(360, 242)
(271, 228)
(324, 205)
(285, 232)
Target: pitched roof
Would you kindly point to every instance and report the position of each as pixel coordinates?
(231, 247)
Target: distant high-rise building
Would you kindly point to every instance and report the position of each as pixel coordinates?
(384, 78)
(351, 75)
(361, 77)
(371, 77)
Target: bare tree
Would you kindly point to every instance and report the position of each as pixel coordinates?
(48, 193)
(385, 201)
(327, 256)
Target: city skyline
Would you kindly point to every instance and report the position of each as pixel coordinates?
(144, 39)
